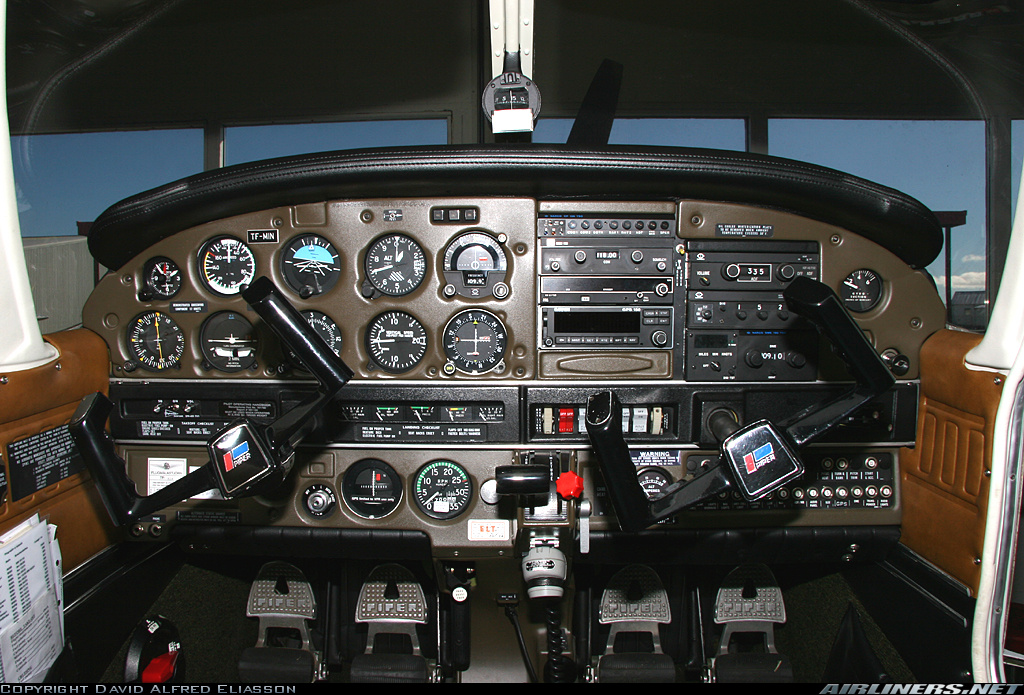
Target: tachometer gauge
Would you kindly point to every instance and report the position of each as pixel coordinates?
(861, 290)
(162, 277)
(395, 265)
(442, 489)
(396, 341)
(371, 488)
(226, 265)
(475, 266)
(474, 342)
(310, 265)
(228, 342)
(156, 341)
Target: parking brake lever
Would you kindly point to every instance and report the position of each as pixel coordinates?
(245, 458)
(754, 459)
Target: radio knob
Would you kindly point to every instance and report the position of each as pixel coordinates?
(731, 271)
(637, 256)
(580, 256)
(661, 289)
(659, 338)
(555, 266)
(795, 360)
(753, 359)
(787, 273)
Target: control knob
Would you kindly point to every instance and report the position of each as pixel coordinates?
(731, 271)
(659, 338)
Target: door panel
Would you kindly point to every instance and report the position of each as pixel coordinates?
(39, 400)
(946, 476)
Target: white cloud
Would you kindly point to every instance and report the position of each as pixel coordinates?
(972, 257)
(965, 282)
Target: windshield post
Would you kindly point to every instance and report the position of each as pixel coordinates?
(22, 346)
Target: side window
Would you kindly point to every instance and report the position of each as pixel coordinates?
(251, 143)
(716, 133)
(69, 178)
(941, 163)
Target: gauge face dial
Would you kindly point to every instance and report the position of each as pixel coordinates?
(396, 341)
(156, 341)
(442, 489)
(162, 277)
(474, 263)
(474, 341)
(326, 328)
(310, 265)
(228, 342)
(861, 290)
(371, 488)
(226, 265)
(653, 481)
(395, 265)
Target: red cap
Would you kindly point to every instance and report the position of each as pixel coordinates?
(160, 669)
(569, 485)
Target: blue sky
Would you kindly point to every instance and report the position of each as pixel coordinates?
(62, 179)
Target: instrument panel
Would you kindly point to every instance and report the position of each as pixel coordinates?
(477, 327)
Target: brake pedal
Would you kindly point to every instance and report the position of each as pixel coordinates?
(391, 603)
(750, 602)
(635, 605)
(282, 600)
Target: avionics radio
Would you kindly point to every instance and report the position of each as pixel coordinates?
(607, 279)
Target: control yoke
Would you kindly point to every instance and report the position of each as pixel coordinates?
(245, 458)
(757, 458)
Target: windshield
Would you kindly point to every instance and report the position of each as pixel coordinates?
(922, 97)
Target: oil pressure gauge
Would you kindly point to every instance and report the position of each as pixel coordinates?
(475, 266)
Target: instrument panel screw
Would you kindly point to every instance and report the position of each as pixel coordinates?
(277, 222)
(4, 379)
(58, 366)
(915, 323)
(696, 220)
(366, 216)
(835, 240)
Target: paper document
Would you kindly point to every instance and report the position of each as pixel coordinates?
(31, 598)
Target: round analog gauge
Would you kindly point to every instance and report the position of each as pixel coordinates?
(228, 342)
(371, 488)
(156, 341)
(395, 265)
(475, 266)
(442, 489)
(226, 265)
(861, 290)
(474, 341)
(396, 341)
(653, 481)
(326, 328)
(310, 265)
(162, 277)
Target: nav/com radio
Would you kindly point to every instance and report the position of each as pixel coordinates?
(737, 325)
(608, 280)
